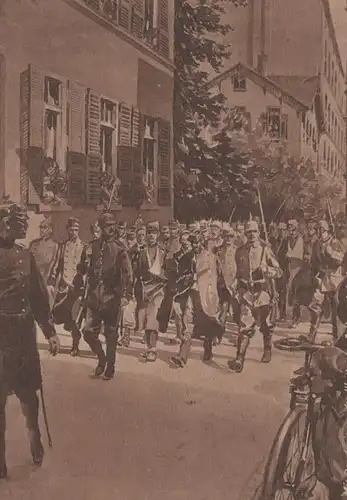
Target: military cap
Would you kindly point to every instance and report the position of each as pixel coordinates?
(173, 224)
(293, 223)
(140, 229)
(251, 225)
(185, 232)
(164, 228)
(216, 223)
(106, 219)
(194, 226)
(73, 222)
(153, 227)
(227, 229)
(323, 224)
(122, 225)
(282, 225)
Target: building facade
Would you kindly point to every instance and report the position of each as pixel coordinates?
(86, 89)
(293, 46)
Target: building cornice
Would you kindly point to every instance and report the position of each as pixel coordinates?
(263, 82)
(108, 25)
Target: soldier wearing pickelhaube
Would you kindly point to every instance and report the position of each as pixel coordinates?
(110, 284)
(23, 301)
(256, 265)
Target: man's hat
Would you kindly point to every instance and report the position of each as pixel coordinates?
(106, 219)
(227, 229)
(164, 228)
(122, 225)
(194, 226)
(323, 224)
(216, 223)
(140, 229)
(282, 225)
(173, 224)
(251, 225)
(153, 227)
(293, 223)
(73, 222)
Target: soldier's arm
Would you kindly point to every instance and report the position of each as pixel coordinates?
(83, 265)
(127, 278)
(273, 267)
(57, 266)
(39, 301)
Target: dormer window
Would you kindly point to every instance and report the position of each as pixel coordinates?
(239, 82)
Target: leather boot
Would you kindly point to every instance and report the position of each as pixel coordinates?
(236, 365)
(266, 358)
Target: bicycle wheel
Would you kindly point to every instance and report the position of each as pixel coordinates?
(288, 474)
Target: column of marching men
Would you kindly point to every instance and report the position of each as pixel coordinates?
(137, 279)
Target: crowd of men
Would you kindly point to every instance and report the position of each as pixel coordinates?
(138, 278)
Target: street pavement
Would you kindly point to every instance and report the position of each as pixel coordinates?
(154, 432)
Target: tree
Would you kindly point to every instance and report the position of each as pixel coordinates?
(198, 174)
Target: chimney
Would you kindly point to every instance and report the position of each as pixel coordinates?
(262, 56)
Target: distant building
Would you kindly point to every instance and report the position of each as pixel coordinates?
(289, 49)
(86, 107)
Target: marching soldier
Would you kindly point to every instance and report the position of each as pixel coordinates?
(110, 283)
(23, 300)
(326, 266)
(150, 281)
(295, 258)
(45, 251)
(64, 277)
(255, 266)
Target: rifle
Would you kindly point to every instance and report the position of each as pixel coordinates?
(273, 290)
(331, 218)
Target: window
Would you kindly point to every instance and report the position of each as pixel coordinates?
(276, 124)
(108, 134)
(53, 119)
(239, 83)
(149, 153)
(151, 15)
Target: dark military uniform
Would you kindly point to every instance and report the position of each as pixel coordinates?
(110, 279)
(23, 300)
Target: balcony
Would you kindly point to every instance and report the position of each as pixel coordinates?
(129, 17)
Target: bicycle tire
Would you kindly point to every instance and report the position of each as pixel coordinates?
(276, 453)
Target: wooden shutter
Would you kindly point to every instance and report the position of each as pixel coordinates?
(32, 83)
(135, 128)
(93, 122)
(93, 190)
(24, 134)
(125, 173)
(164, 163)
(94, 160)
(125, 119)
(34, 165)
(163, 27)
(76, 172)
(125, 14)
(76, 117)
(138, 18)
(137, 180)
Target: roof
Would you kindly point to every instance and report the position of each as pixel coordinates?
(301, 88)
(281, 87)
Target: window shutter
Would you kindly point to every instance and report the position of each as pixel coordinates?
(124, 14)
(164, 163)
(137, 181)
(93, 122)
(24, 134)
(94, 161)
(31, 134)
(93, 191)
(163, 26)
(138, 18)
(125, 118)
(125, 173)
(34, 166)
(76, 172)
(76, 106)
(135, 129)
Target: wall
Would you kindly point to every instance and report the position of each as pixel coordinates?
(61, 40)
(256, 102)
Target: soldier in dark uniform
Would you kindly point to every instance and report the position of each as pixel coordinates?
(110, 283)
(23, 300)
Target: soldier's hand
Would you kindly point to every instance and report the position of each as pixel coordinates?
(54, 345)
(124, 302)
